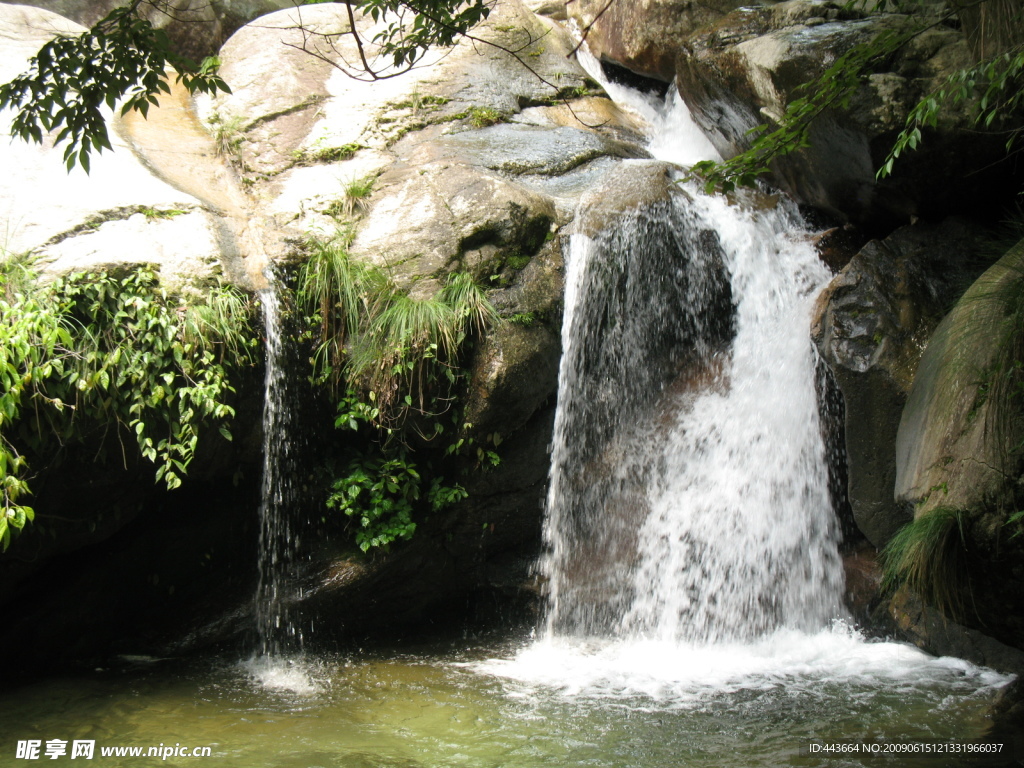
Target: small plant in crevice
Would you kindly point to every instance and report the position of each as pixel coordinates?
(106, 356)
(354, 198)
(482, 117)
(392, 362)
(325, 154)
(928, 555)
(228, 135)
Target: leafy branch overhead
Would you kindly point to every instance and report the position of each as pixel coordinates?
(122, 60)
(991, 89)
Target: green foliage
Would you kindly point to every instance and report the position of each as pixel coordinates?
(122, 59)
(335, 154)
(927, 555)
(354, 197)
(481, 117)
(94, 350)
(1016, 520)
(379, 489)
(323, 154)
(992, 86)
(152, 214)
(525, 319)
(832, 89)
(228, 136)
(392, 362)
(434, 23)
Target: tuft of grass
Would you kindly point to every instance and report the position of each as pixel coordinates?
(470, 303)
(377, 336)
(418, 101)
(481, 117)
(354, 198)
(341, 292)
(220, 324)
(229, 133)
(927, 555)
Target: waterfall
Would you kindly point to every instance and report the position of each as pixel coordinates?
(279, 540)
(689, 497)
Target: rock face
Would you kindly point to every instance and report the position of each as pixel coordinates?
(957, 445)
(742, 70)
(872, 322)
(476, 166)
(737, 67)
(937, 634)
(644, 35)
(121, 212)
(956, 436)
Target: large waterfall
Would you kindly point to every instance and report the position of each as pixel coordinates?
(689, 497)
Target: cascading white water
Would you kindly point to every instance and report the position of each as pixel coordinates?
(706, 502)
(741, 538)
(278, 543)
(692, 546)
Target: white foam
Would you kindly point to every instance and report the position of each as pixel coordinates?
(276, 673)
(684, 675)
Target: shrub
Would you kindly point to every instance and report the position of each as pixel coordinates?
(94, 348)
(392, 362)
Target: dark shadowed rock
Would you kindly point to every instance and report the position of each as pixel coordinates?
(955, 447)
(932, 632)
(872, 323)
(197, 28)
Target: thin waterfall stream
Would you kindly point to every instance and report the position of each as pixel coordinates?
(278, 635)
(278, 662)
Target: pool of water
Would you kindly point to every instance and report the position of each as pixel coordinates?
(516, 703)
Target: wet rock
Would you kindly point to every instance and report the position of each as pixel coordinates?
(863, 579)
(476, 165)
(871, 325)
(934, 633)
(957, 446)
(838, 245)
(1008, 712)
(958, 430)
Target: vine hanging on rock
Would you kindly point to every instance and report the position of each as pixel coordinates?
(88, 351)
